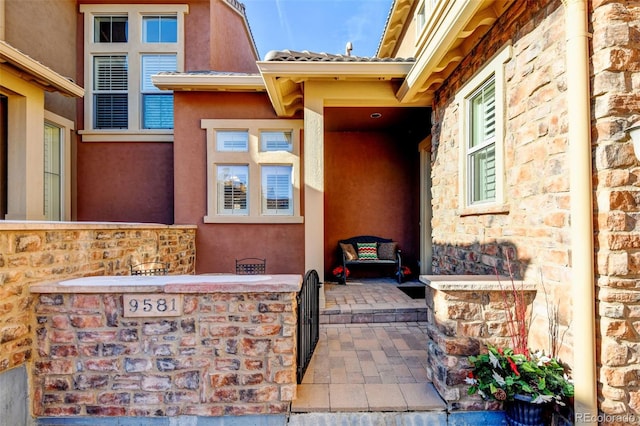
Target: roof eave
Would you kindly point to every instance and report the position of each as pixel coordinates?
(40, 74)
(209, 83)
(331, 69)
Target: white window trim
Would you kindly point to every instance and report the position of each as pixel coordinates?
(66, 127)
(494, 66)
(255, 159)
(133, 50)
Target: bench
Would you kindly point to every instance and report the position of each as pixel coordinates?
(367, 250)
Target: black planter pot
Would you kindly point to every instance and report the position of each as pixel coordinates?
(522, 412)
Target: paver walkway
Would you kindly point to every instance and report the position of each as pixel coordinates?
(364, 365)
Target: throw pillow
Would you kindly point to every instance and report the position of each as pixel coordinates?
(387, 251)
(368, 251)
(349, 251)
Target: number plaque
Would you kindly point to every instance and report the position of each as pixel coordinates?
(152, 305)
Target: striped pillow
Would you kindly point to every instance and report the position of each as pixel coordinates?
(368, 251)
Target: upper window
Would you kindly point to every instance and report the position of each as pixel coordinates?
(481, 103)
(421, 18)
(125, 45)
(253, 171)
(159, 29)
(481, 149)
(110, 29)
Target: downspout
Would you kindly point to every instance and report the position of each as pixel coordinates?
(582, 252)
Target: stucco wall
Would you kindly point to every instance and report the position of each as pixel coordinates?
(51, 42)
(371, 188)
(219, 244)
(534, 230)
(125, 182)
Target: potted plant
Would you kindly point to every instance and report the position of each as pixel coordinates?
(525, 382)
(341, 273)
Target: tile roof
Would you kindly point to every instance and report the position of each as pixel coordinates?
(306, 56)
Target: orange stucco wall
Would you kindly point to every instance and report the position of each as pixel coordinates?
(133, 181)
(371, 188)
(218, 245)
(125, 182)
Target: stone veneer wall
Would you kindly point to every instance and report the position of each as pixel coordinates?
(33, 253)
(532, 230)
(616, 106)
(228, 354)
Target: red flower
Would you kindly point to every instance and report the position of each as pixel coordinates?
(338, 271)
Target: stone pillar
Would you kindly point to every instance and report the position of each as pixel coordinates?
(464, 313)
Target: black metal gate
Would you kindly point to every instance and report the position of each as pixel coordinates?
(308, 320)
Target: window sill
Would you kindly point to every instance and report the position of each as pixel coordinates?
(126, 136)
(254, 219)
(485, 209)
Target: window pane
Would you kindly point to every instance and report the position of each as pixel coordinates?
(110, 73)
(481, 152)
(160, 29)
(52, 172)
(111, 111)
(483, 115)
(276, 141)
(154, 64)
(110, 29)
(232, 140)
(157, 111)
(233, 189)
(277, 190)
(483, 167)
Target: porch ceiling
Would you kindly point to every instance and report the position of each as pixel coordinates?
(408, 120)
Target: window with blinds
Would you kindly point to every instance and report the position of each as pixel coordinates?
(277, 190)
(233, 189)
(157, 105)
(276, 141)
(232, 140)
(481, 150)
(110, 92)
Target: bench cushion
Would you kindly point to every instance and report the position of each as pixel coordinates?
(387, 251)
(368, 251)
(349, 251)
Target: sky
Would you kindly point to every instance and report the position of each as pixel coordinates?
(317, 25)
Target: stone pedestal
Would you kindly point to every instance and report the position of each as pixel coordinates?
(464, 313)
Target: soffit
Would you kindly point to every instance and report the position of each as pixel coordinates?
(451, 32)
(34, 72)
